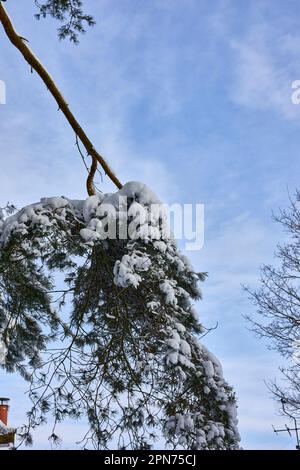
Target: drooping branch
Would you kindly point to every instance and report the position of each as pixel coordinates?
(35, 64)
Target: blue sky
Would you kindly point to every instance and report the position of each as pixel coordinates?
(192, 98)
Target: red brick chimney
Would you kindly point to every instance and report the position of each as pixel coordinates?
(4, 410)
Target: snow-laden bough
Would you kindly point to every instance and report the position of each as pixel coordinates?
(123, 331)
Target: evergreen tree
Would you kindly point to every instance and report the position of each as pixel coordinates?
(119, 346)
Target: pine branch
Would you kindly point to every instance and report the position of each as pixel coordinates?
(68, 12)
(36, 65)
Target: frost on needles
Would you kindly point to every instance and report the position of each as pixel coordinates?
(105, 329)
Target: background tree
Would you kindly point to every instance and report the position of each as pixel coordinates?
(278, 307)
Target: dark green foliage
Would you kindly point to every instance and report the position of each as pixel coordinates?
(116, 344)
(68, 12)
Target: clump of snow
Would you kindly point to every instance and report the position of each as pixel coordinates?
(5, 429)
(167, 287)
(3, 351)
(126, 270)
(185, 348)
(209, 368)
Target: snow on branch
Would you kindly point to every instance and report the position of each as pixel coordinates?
(127, 355)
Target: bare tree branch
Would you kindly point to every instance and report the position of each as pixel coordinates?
(278, 307)
(35, 64)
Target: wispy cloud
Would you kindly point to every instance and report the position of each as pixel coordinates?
(265, 63)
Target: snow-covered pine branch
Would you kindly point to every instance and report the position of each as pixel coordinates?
(127, 356)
